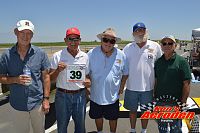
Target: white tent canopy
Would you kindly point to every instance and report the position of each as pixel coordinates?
(196, 34)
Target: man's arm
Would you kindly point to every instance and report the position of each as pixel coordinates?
(55, 72)
(46, 83)
(46, 87)
(4, 79)
(186, 90)
(8, 80)
(155, 84)
(123, 82)
(87, 82)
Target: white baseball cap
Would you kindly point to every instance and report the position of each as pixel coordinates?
(25, 24)
(169, 37)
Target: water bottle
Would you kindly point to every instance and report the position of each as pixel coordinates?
(198, 78)
(27, 72)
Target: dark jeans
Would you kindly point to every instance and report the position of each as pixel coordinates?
(175, 125)
(68, 105)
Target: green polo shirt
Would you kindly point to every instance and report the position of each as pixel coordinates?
(170, 75)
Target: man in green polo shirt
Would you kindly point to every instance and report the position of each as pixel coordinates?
(172, 77)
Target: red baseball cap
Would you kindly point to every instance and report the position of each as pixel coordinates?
(73, 30)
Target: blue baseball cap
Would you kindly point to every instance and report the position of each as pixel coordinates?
(138, 25)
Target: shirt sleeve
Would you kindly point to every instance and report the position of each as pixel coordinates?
(54, 62)
(155, 68)
(125, 50)
(87, 66)
(125, 69)
(185, 70)
(89, 61)
(3, 65)
(45, 62)
(159, 51)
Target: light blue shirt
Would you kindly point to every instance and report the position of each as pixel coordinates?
(106, 73)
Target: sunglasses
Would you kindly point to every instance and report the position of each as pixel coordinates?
(169, 43)
(106, 40)
(73, 39)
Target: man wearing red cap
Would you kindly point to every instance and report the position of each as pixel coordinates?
(68, 69)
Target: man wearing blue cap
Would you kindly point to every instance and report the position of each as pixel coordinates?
(141, 55)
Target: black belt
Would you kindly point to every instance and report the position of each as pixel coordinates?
(70, 91)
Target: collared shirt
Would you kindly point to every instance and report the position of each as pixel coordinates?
(106, 73)
(141, 65)
(170, 75)
(64, 56)
(25, 98)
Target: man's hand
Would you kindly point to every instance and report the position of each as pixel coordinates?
(61, 66)
(87, 83)
(23, 79)
(45, 106)
(55, 72)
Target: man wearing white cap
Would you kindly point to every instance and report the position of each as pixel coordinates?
(141, 55)
(24, 68)
(108, 71)
(173, 77)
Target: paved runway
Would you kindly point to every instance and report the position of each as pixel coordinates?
(123, 123)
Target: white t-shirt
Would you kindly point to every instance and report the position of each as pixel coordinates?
(141, 65)
(67, 58)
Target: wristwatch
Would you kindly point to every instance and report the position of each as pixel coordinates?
(45, 97)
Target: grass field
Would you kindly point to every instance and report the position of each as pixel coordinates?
(42, 44)
(46, 44)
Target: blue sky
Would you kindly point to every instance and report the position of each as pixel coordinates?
(52, 17)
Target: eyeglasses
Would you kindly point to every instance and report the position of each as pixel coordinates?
(73, 39)
(167, 43)
(106, 40)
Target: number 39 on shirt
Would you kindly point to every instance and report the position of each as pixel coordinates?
(75, 73)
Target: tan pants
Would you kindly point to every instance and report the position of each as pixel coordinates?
(22, 120)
